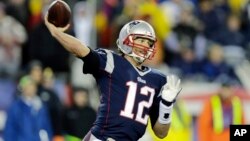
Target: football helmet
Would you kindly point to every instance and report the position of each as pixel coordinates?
(131, 31)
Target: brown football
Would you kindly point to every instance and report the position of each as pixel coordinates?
(59, 13)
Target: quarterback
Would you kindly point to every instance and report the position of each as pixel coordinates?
(131, 93)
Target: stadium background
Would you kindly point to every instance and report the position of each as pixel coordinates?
(205, 42)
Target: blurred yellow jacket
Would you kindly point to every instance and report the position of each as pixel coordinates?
(158, 19)
(211, 122)
(236, 5)
(181, 125)
(35, 7)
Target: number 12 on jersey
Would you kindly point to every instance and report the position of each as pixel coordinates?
(130, 102)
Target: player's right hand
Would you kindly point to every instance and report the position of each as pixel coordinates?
(52, 28)
(171, 89)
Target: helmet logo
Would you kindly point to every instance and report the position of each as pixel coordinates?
(133, 23)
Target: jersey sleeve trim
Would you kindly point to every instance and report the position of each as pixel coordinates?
(110, 62)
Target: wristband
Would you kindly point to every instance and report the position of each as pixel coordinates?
(165, 113)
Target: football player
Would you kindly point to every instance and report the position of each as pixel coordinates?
(130, 91)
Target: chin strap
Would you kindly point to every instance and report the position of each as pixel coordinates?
(138, 59)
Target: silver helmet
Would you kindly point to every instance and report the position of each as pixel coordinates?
(129, 33)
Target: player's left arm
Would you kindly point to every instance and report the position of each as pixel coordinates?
(169, 93)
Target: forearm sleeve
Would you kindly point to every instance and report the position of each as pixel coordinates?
(91, 63)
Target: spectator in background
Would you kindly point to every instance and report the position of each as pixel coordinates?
(230, 34)
(173, 8)
(214, 66)
(35, 70)
(245, 19)
(219, 111)
(12, 36)
(188, 26)
(83, 19)
(52, 101)
(186, 63)
(35, 9)
(108, 11)
(27, 118)
(19, 10)
(187, 30)
(236, 5)
(79, 118)
(45, 90)
(43, 47)
(154, 14)
(210, 17)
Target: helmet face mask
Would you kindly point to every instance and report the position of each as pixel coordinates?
(128, 36)
(141, 50)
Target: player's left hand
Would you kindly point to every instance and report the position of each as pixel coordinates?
(171, 89)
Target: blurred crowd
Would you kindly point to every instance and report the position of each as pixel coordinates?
(43, 90)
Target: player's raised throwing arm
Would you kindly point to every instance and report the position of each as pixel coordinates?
(70, 43)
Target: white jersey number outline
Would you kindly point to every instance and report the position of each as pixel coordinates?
(130, 101)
